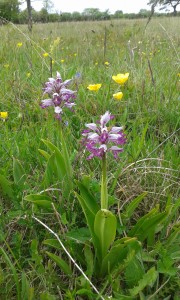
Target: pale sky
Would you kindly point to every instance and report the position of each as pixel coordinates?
(127, 6)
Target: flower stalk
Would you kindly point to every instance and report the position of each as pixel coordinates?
(104, 192)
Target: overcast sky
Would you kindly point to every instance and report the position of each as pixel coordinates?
(127, 6)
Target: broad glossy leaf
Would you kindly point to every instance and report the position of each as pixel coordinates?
(105, 229)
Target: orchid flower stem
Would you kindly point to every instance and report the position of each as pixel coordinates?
(104, 193)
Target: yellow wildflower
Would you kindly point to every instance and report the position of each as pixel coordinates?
(3, 115)
(19, 45)
(121, 78)
(6, 66)
(53, 62)
(96, 63)
(55, 44)
(62, 60)
(28, 74)
(106, 63)
(118, 96)
(75, 54)
(45, 54)
(94, 87)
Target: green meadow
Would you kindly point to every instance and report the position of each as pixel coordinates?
(45, 175)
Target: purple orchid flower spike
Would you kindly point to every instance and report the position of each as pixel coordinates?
(99, 139)
(61, 96)
(55, 85)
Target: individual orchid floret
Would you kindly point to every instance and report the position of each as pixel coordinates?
(58, 102)
(55, 85)
(100, 139)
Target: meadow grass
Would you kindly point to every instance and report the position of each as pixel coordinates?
(149, 110)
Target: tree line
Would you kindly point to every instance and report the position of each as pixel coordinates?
(10, 11)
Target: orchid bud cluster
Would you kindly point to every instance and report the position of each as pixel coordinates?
(60, 96)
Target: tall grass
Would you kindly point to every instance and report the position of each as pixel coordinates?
(149, 110)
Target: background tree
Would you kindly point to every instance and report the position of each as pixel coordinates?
(9, 10)
(165, 4)
(48, 5)
(118, 14)
(29, 10)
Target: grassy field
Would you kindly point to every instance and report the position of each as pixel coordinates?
(33, 264)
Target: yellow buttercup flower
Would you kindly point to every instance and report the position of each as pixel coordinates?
(94, 87)
(106, 63)
(121, 78)
(19, 45)
(45, 54)
(3, 115)
(62, 60)
(118, 96)
(28, 74)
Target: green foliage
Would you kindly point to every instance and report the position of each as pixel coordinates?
(105, 229)
(60, 262)
(6, 187)
(58, 167)
(148, 280)
(9, 9)
(42, 201)
(18, 173)
(142, 260)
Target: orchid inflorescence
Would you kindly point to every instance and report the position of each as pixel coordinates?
(98, 138)
(60, 96)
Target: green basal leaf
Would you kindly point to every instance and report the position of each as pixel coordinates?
(27, 292)
(165, 265)
(118, 253)
(105, 229)
(130, 208)
(60, 167)
(40, 200)
(89, 199)
(52, 243)
(89, 257)
(5, 187)
(134, 270)
(79, 235)
(44, 153)
(89, 210)
(148, 280)
(18, 172)
(47, 296)
(60, 262)
(146, 225)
